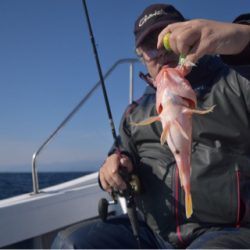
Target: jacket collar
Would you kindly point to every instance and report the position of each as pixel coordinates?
(202, 76)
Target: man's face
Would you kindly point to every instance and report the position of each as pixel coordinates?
(155, 58)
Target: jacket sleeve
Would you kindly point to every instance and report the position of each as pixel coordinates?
(245, 90)
(244, 57)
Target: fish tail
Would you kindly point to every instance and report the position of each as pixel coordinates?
(181, 178)
(188, 205)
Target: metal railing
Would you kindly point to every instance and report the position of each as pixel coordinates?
(131, 62)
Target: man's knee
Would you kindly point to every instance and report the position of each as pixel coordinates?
(224, 239)
(74, 237)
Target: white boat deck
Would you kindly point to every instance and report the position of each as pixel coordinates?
(27, 216)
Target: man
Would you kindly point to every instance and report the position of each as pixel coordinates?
(220, 179)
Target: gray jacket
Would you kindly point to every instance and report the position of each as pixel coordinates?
(220, 178)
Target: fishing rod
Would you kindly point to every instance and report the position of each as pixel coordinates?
(129, 192)
(112, 125)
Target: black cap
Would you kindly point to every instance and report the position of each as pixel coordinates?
(242, 19)
(153, 17)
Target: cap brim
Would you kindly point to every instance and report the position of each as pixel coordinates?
(152, 28)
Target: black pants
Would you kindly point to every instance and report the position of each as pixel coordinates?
(116, 234)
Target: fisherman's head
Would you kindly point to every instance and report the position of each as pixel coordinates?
(147, 28)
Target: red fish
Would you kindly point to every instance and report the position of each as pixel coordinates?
(175, 104)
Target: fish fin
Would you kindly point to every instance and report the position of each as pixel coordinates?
(147, 121)
(196, 111)
(164, 134)
(171, 140)
(188, 205)
(181, 130)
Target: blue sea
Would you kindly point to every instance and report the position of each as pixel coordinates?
(12, 184)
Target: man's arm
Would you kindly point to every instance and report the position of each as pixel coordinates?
(199, 37)
(243, 58)
(109, 176)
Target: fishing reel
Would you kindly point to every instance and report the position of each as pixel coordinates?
(133, 188)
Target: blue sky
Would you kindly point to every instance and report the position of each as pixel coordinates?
(47, 66)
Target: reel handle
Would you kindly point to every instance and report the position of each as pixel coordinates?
(133, 187)
(103, 205)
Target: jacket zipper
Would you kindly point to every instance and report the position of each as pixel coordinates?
(237, 174)
(178, 228)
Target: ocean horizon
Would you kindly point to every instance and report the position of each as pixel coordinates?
(17, 183)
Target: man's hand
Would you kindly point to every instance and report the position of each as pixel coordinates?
(199, 37)
(109, 172)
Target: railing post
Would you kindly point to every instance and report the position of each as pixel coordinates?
(35, 180)
(34, 175)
